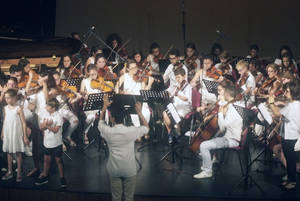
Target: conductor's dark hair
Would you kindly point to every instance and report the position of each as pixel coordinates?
(174, 52)
(118, 113)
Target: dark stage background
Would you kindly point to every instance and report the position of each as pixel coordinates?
(268, 23)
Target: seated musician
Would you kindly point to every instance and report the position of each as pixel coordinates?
(223, 66)
(102, 68)
(209, 72)
(246, 81)
(169, 75)
(182, 100)
(253, 52)
(288, 65)
(154, 56)
(138, 57)
(91, 60)
(271, 85)
(191, 60)
(284, 49)
(230, 123)
(256, 70)
(290, 130)
(63, 96)
(132, 85)
(67, 69)
(87, 88)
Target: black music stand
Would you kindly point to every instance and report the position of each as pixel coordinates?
(211, 86)
(74, 82)
(152, 98)
(248, 116)
(95, 102)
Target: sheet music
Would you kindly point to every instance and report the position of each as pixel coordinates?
(171, 108)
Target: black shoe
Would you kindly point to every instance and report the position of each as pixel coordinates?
(63, 183)
(41, 181)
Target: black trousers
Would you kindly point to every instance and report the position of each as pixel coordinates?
(291, 160)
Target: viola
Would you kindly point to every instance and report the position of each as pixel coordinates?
(243, 79)
(181, 87)
(214, 73)
(100, 83)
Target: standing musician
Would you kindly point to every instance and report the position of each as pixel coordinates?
(65, 96)
(182, 99)
(246, 82)
(67, 69)
(290, 129)
(191, 60)
(88, 86)
(132, 85)
(169, 75)
(115, 42)
(230, 123)
(209, 72)
(154, 56)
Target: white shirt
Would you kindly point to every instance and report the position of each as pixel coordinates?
(131, 86)
(52, 140)
(170, 76)
(184, 107)
(87, 84)
(292, 125)
(120, 140)
(206, 97)
(232, 123)
(250, 83)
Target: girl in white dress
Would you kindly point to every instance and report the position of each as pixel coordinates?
(13, 133)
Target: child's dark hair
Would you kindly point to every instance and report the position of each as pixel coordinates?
(23, 62)
(53, 102)
(179, 71)
(12, 92)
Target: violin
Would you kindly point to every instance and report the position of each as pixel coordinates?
(107, 74)
(70, 91)
(181, 87)
(243, 80)
(25, 78)
(266, 84)
(214, 73)
(190, 62)
(100, 83)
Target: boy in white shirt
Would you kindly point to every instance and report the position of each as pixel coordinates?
(51, 123)
(230, 123)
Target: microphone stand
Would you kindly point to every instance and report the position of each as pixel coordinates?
(183, 25)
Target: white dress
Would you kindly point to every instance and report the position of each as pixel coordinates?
(12, 131)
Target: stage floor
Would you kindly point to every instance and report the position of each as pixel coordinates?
(86, 172)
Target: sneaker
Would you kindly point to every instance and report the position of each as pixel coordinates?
(19, 179)
(7, 176)
(170, 140)
(3, 169)
(63, 182)
(203, 175)
(41, 180)
(284, 178)
(214, 159)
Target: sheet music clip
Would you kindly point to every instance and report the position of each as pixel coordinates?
(211, 86)
(73, 81)
(95, 101)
